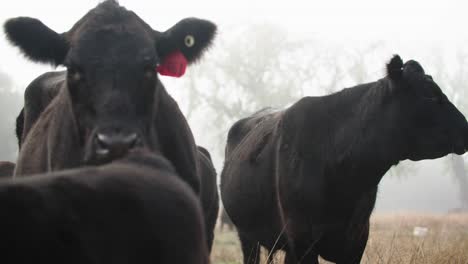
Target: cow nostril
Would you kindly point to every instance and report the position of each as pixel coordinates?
(102, 144)
(131, 140)
(115, 145)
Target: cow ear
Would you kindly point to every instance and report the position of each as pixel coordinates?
(412, 67)
(190, 36)
(395, 68)
(37, 41)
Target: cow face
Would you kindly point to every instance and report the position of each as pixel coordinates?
(432, 125)
(112, 58)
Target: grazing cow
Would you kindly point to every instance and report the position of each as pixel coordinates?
(133, 210)
(209, 193)
(111, 99)
(305, 179)
(6, 169)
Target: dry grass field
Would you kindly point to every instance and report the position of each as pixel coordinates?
(391, 241)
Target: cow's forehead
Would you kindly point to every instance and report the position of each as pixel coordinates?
(110, 29)
(106, 13)
(112, 43)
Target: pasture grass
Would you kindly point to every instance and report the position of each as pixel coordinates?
(391, 241)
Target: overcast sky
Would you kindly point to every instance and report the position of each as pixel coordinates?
(408, 26)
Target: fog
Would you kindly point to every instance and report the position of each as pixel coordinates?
(273, 53)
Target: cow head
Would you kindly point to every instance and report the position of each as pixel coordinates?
(112, 57)
(430, 124)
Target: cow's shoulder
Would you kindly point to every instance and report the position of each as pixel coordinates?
(42, 85)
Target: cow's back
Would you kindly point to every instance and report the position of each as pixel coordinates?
(118, 213)
(241, 128)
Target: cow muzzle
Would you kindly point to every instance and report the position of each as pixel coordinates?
(109, 146)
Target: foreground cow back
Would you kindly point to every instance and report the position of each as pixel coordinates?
(131, 211)
(305, 179)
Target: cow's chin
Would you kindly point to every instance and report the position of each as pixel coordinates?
(94, 160)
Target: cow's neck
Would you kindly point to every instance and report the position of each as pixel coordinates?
(365, 136)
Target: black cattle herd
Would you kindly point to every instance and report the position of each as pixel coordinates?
(109, 172)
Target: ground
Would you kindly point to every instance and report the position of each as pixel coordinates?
(391, 241)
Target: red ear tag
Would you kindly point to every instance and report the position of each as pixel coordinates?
(173, 65)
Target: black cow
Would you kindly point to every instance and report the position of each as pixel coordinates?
(305, 179)
(209, 193)
(44, 88)
(111, 99)
(6, 169)
(134, 210)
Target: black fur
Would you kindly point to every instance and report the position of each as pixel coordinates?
(305, 179)
(395, 68)
(134, 210)
(111, 40)
(37, 96)
(413, 68)
(37, 42)
(205, 152)
(43, 90)
(41, 44)
(173, 39)
(209, 193)
(62, 113)
(19, 127)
